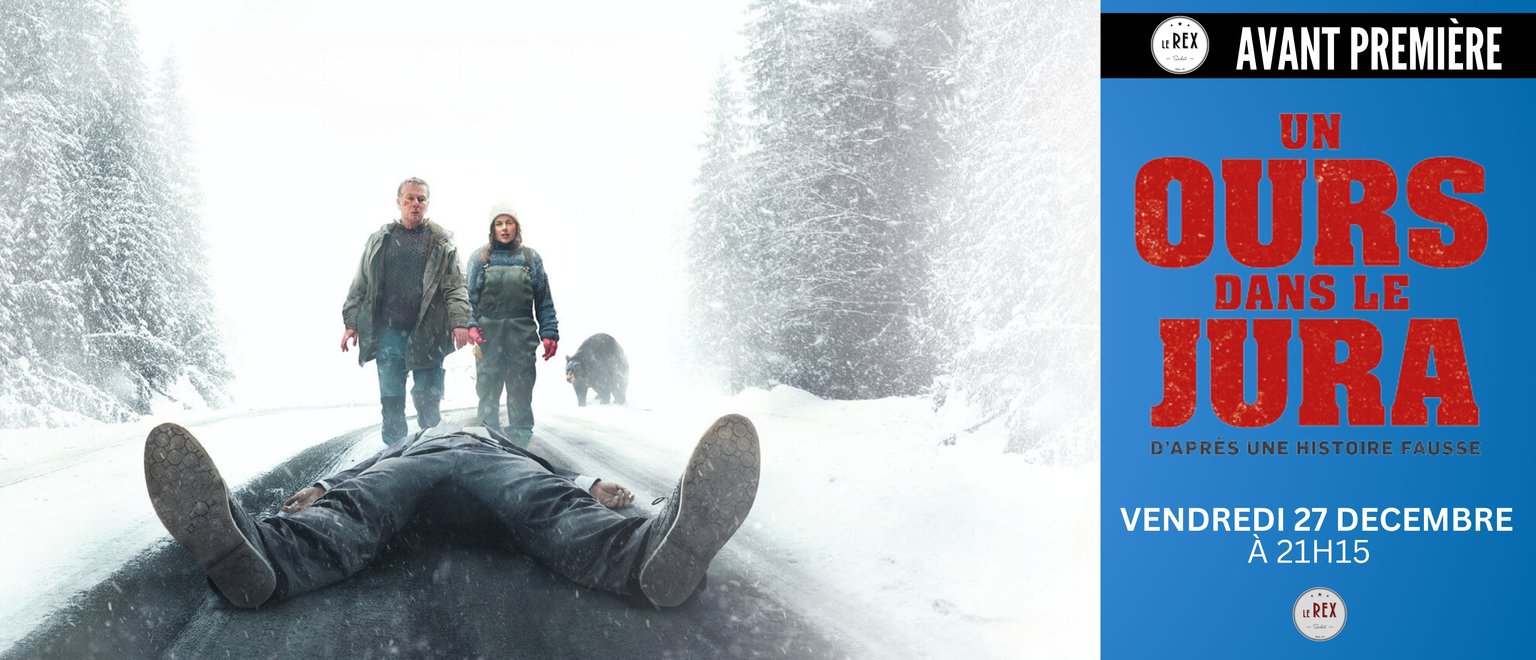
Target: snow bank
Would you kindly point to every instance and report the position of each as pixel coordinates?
(956, 550)
(911, 538)
(75, 505)
(873, 516)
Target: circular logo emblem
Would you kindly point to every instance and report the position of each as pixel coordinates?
(1319, 614)
(1179, 45)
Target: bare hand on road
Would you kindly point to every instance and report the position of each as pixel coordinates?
(611, 494)
(302, 499)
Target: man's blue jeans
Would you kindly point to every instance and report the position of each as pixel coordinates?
(456, 479)
(426, 390)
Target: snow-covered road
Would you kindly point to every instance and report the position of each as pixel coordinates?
(74, 503)
(898, 544)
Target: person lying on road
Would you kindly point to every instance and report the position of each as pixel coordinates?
(331, 529)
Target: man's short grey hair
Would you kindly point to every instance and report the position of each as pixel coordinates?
(400, 189)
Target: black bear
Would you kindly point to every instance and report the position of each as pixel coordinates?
(599, 364)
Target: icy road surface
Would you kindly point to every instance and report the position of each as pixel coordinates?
(75, 508)
(870, 538)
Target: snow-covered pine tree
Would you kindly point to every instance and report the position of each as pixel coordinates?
(39, 158)
(1022, 268)
(720, 279)
(97, 268)
(848, 102)
(21, 48)
(784, 84)
(179, 200)
(117, 245)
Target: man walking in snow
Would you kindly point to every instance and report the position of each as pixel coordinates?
(331, 529)
(407, 308)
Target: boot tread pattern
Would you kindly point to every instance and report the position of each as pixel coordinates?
(710, 503)
(190, 498)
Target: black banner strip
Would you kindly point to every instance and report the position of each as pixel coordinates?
(1318, 45)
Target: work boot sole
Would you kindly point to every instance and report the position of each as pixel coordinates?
(712, 499)
(192, 501)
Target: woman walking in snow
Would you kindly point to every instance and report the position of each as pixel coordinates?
(511, 315)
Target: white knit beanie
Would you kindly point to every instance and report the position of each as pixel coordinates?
(503, 208)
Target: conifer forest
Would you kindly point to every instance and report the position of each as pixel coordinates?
(893, 201)
(104, 306)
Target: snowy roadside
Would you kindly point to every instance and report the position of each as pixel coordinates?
(923, 549)
(864, 517)
(970, 552)
(75, 508)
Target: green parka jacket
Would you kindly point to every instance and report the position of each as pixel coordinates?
(444, 300)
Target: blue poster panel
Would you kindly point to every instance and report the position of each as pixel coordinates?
(1318, 232)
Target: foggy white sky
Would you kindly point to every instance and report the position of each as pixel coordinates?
(305, 116)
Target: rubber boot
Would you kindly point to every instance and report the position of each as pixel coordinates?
(393, 410)
(522, 437)
(428, 411)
